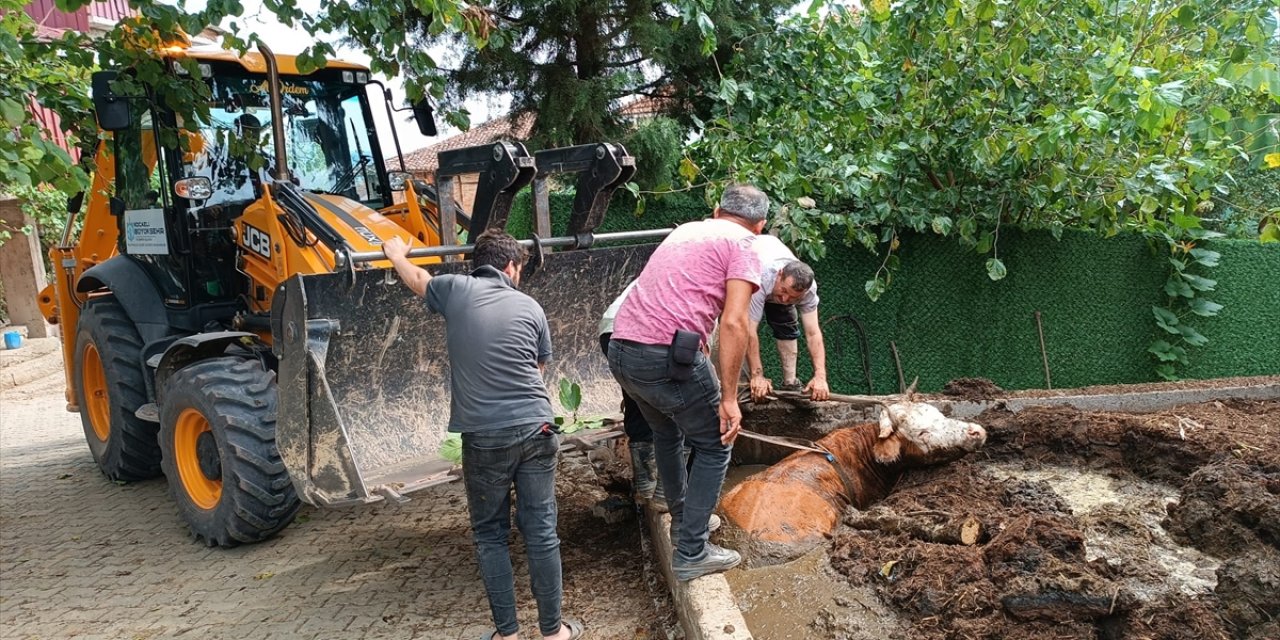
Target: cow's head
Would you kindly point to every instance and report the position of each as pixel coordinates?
(918, 433)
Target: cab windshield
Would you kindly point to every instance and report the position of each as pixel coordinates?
(329, 139)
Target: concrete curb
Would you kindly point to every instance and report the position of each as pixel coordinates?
(1138, 402)
(706, 606)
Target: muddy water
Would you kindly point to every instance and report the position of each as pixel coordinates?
(1120, 517)
(803, 599)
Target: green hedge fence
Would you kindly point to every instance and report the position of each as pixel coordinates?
(948, 320)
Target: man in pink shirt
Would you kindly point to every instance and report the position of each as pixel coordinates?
(703, 271)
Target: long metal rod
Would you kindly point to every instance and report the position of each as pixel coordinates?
(563, 241)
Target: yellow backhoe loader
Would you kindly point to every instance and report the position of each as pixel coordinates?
(232, 323)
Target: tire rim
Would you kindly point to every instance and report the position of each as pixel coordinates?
(96, 399)
(192, 437)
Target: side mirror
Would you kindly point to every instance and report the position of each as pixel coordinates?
(112, 110)
(398, 180)
(426, 117)
(195, 188)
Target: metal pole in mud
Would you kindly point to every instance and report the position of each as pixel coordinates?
(1044, 355)
(897, 362)
(574, 242)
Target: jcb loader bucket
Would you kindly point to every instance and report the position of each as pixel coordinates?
(364, 370)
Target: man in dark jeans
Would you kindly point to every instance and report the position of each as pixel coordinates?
(702, 271)
(644, 472)
(498, 344)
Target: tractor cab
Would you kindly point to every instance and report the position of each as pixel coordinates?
(180, 194)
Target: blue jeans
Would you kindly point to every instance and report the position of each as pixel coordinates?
(680, 413)
(491, 462)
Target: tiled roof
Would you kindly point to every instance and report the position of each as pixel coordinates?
(425, 160)
(46, 34)
(645, 106)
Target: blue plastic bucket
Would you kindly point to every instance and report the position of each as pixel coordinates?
(12, 339)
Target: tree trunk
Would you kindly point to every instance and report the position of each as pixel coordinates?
(966, 530)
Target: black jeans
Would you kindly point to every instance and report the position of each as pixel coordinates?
(492, 461)
(633, 422)
(680, 412)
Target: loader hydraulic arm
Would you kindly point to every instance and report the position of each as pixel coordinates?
(602, 167)
(504, 169)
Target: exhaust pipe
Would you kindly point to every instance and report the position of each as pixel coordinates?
(277, 112)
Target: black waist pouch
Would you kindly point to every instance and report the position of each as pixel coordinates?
(685, 346)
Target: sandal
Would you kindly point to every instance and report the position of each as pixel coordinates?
(576, 630)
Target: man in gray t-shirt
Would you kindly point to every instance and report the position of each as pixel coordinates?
(498, 344)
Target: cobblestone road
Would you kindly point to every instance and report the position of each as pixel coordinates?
(81, 557)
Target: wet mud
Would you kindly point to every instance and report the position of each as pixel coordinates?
(597, 519)
(974, 389)
(1079, 525)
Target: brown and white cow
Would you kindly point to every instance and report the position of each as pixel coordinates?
(798, 501)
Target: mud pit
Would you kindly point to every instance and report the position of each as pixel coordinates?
(1093, 525)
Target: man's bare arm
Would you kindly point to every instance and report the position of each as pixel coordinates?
(733, 346)
(817, 387)
(414, 277)
(760, 384)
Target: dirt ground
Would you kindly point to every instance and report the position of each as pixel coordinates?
(1093, 525)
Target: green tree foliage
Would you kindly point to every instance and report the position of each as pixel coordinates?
(54, 73)
(958, 117)
(34, 73)
(658, 145)
(573, 61)
(394, 34)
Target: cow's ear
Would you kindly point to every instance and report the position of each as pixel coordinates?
(887, 450)
(886, 423)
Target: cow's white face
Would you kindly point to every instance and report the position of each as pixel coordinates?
(909, 426)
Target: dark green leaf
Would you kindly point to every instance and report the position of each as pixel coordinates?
(1165, 316)
(1175, 286)
(1192, 337)
(1203, 307)
(1206, 257)
(1163, 350)
(875, 288)
(1199, 283)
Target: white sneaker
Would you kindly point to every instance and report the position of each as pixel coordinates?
(713, 523)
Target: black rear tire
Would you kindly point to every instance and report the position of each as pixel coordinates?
(217, 434)
(109, 388)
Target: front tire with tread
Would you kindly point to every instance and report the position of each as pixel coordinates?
(217, 434)
(109, 388)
